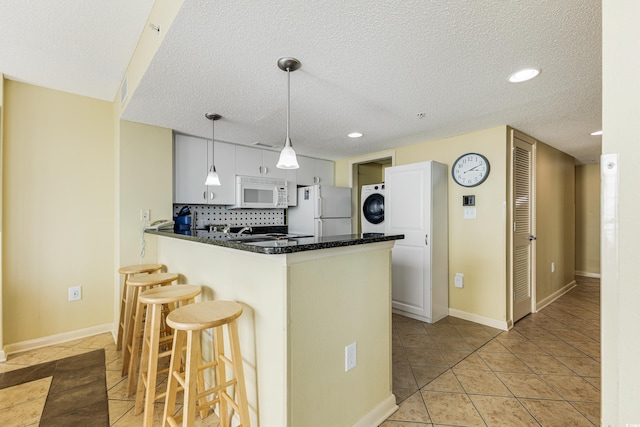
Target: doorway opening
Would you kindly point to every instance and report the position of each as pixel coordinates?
(364, 171)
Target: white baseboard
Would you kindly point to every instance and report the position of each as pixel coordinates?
(587, 274)
(377, 415)
(554, 296)
(56, 339)
(487, 321)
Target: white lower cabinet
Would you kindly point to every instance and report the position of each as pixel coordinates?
(416, 206)
(191, 163)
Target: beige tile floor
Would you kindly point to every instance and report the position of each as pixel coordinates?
(545, 371)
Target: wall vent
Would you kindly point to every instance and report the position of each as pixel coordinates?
(262, 144)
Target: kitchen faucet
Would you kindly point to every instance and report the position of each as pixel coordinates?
(243, 229)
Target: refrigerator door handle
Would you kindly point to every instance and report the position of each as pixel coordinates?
(319, 212)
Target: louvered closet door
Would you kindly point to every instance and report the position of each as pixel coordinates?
(523, 228)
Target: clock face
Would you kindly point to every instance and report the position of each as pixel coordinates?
(470, 169)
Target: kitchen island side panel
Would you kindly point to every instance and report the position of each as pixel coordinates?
(258, 282)
(335, 301)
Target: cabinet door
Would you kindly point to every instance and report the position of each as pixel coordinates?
(269, 162)
(307, 171)
(248, 161)
(324, 172)
(225, 160)
(190, 169)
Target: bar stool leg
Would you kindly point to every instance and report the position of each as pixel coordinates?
(148, 372)
(129, 324)
(191, 378)
(174, 372)
(134, 357)
(236, 356)
(221, 374)
(123, 307)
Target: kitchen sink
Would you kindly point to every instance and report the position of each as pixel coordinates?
(253, 238)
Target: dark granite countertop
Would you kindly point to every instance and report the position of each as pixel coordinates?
(283, 245)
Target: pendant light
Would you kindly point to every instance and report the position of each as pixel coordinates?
(288, 158)
(212, 176)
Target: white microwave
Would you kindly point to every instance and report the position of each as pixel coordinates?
(260, 193)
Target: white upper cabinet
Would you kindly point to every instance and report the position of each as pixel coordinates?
(314, 171)
(256, 162)
(191, 163)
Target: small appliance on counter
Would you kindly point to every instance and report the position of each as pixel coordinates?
(183, 220)
(322, 210)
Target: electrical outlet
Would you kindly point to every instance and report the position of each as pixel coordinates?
(458, 280)
(350, 357)
(75, 293)
(145, 214)
(553, 267)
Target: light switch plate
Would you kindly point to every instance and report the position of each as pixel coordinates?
(469, 213)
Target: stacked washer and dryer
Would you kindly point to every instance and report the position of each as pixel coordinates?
(372, 208)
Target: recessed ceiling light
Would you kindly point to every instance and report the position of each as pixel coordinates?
(596, 133)
(355, 135)
(524, 75)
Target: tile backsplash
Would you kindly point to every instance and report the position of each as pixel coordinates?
(202, 215)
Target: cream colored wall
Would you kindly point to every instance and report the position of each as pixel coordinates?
(144, 179)
(58, 204)
(620, 292)
(145, 173)
(555, 219)
(588, 219)
(477, 247)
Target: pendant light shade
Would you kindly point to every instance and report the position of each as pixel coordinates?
(212, 176)
(288, 158)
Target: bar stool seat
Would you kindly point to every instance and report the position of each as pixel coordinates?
(187, 323)
(155, 347)
(130, 349)
(125, 310)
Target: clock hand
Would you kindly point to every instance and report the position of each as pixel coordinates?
(475, 167)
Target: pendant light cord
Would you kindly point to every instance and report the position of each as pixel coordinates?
(288, 142)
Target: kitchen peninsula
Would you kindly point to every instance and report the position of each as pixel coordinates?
(304, 299)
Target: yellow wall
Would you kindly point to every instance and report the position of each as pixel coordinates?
(588, 219)
(478, 248)
(555, 232)
(145, 173)
(58, 204)
(620, 292)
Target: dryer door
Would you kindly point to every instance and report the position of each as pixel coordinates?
(373, 208)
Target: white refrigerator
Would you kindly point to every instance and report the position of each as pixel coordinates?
(322, 210)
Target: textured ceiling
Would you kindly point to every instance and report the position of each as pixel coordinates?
(366, 66)
(76, 46)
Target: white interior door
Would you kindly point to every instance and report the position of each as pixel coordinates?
(523, 228)
(407, 211)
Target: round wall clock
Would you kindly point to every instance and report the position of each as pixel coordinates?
(470, 169)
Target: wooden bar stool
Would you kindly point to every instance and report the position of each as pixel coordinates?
(155, 347)
(187, 323)
(131, 348)
(125, 310)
